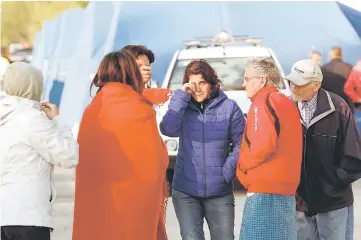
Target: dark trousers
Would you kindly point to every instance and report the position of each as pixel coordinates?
(191, 211)
(25, 233)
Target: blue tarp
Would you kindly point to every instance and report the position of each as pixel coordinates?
(91, 43)
(286, 27)
(51, 36)
(291, 29)
(353, 16)
(42, 44)
(51, 33)
(72, 24)
(38, 50)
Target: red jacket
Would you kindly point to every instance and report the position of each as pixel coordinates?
(271, 152)
(353, 85)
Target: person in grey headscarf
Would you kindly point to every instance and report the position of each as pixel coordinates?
(33, 139)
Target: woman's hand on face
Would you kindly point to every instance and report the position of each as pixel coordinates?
(189, 88)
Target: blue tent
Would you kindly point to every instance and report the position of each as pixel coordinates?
(291, 29)
(353, 16)
(43, 43)
(47, 45)
(72, 23)
(38, 50)
(287, 27)
(90, 48)
(164, 26)
(53, 47)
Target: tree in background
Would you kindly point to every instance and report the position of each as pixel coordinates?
(20, 21)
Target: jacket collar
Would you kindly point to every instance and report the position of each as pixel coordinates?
(213, 102)
(14, 100)
(264, 91)
(325, 107)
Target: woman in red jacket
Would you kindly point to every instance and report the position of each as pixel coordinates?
(270, 159)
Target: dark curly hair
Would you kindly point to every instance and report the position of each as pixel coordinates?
(138, 50)
(203, 68)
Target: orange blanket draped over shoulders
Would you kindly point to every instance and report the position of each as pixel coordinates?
(120, 179)
(156, 95)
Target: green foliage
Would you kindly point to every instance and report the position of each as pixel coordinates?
(20, 21)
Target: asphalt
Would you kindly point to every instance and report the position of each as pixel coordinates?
(63, 209)
(240, 198)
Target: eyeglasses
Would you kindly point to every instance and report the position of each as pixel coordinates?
(273, 79)
(247, 79)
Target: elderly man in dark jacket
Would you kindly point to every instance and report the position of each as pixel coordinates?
(331, 158)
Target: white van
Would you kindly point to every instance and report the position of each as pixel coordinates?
(228, 56)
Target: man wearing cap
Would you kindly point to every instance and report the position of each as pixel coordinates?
(331, 158)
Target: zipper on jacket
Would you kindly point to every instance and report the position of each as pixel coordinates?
(204, 147)
(304, 164)
(204, 158)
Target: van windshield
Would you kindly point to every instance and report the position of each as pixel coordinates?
(229, 70)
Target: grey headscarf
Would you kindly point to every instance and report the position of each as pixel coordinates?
(23, 80)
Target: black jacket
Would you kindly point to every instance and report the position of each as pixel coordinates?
(331, 157)
(335, 74)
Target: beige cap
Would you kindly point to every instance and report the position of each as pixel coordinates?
(303, 70)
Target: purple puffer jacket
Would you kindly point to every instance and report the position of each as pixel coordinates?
(209, 143)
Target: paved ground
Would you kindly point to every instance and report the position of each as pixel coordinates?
(173, 228)
(64, 204)
(63, 209)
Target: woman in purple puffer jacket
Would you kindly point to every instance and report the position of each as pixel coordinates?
(210, 128)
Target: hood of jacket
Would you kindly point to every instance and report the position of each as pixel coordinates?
(9, 105)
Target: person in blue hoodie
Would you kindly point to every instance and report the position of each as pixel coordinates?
(210, 128)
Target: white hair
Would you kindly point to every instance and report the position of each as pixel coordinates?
(266, 68)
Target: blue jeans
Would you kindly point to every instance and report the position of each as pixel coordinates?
(333, 225)
(191, 211)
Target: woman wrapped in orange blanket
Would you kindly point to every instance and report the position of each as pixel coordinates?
(120, 183)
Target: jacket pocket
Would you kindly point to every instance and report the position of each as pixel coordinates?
(324, 148)
(323, 152)
(339, 186)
